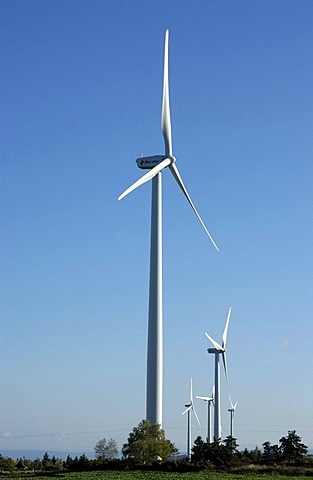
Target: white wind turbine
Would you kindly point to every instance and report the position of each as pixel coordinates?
(210, 401)
(190, 407)
(217, 351)
(156, 164)
(232, 413)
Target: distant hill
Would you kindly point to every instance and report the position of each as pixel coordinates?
(33, 454)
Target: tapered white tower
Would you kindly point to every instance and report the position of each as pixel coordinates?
(154, 394)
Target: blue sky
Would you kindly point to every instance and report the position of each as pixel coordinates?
(81, 86)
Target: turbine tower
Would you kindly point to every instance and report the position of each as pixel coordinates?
(190, 407)
(155, 164)
(217, 351)
(209, 400)
(232, 413)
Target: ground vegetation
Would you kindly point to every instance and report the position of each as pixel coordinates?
(148, 451)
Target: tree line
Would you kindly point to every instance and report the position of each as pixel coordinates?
(148, 448)
(225, 453)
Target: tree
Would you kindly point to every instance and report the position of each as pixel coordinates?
(291, 447)
(106, 449)
(6, 464)
(267, 451)
(46, 462)
(230, 448)
(271, 453)
(83, 463)
(199, 451)
(256, 454)
(220, 454)
(249, 456)
(37, 464)
(147, 444)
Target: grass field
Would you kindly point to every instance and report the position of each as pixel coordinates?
(142, 475)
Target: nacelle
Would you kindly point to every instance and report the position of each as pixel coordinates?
(149, 162)
(213, 350)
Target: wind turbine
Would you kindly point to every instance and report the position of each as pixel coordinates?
(190, 407)
(156, 164)
(232, 413)
(217, 351)
(209, 400)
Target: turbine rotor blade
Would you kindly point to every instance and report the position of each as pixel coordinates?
(191, 399)
(148, 176)
(225, 369)
(233, 406)
(216, 345)
(194, 411)
(166, 114)
(224, 337)
(178, 179)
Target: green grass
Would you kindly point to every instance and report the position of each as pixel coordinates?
(142, 475)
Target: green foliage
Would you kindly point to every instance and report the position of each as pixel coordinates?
(6, 464)
(291, 447)
(106, 449)
(255, 455)
(46, 460)
(271, 453)
(147, 449)
(199, 451)
(147, 444)
(49, 464)
(37, 464)
(76, 464)
(220, 454)
(151, 475)
(291, 450)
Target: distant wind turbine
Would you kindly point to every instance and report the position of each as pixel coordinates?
(155, 164)
(232, 413)
(190, 407)
(217, 351)
(209, 400)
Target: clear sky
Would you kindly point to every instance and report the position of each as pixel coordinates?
(81, 86)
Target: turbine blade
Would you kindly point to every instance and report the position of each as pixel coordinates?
(148, 176)
(206, 399)
(235, 406)
(166, 114)
(224, 337)
(187, 410)
(178, 179)
(191, 399)
(225, 369)
(216, 345)
(194, 411)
